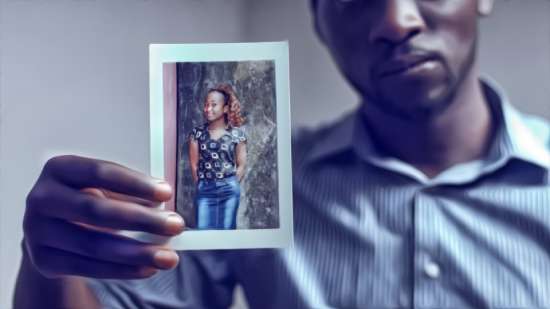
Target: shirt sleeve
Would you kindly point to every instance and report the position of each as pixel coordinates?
(194, 135)
(239, 136)
(202, 279)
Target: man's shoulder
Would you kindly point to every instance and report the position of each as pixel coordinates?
(306, 141)
(304, 138)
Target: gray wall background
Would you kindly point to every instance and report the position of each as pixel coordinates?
(254, 84)
(73, 78)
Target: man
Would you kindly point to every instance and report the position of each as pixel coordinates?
(433, 194)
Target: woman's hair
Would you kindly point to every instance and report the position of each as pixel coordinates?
(234, 117)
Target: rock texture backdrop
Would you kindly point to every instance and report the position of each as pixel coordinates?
(254, 83)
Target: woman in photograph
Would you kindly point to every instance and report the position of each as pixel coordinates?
(217, 154)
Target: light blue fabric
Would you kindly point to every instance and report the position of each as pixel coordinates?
(374, 232)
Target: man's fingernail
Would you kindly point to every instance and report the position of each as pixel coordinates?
(159, 181)
(174, 223)
(164, 186)
(165, 259)
(163, 189)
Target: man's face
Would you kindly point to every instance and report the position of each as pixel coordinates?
(408, 57)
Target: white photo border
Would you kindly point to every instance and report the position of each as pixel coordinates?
(217, 52)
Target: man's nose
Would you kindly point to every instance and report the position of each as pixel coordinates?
(398, 21)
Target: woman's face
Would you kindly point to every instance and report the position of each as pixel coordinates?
(214, 107)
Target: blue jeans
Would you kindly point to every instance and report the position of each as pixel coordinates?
(217, 202)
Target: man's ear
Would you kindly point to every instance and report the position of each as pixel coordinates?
(313, 4)
(485, 7)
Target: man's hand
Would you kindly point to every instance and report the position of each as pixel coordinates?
(75, 207)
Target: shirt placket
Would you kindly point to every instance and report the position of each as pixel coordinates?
(428, 271)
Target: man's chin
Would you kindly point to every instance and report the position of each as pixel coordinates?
(416, 108)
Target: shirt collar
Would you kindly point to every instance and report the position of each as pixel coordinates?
(515, 138)
(336, 138)
(519, 136)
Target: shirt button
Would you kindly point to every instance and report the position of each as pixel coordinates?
(432, 270)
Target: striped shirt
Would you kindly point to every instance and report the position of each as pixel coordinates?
(374, 232)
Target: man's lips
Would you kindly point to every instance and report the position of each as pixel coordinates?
(402, 64)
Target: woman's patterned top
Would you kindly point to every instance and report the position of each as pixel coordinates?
(217, 157)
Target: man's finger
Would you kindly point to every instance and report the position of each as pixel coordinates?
(104, 247)
(53, 199)
(80, 172)
(129, 198)
(104, 193)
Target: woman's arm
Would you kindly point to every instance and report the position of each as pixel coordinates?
(241, 160)
(194, 158)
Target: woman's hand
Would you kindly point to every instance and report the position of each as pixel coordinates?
(240, 174)
(75, 206)
(241, 160)
(194, 158)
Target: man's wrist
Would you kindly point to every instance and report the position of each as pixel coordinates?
(34, 290)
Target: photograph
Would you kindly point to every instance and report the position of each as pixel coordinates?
(220, 135)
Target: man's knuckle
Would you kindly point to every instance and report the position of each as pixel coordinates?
(38, 196)
(40, 259)
(50, 268)
(28, 226)
(100, 171)
(143, 271)
(56, 162)
(50, 164)
(91, 209)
